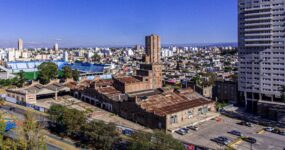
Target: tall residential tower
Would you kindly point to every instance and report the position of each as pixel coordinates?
(261, 38)
(20, 44)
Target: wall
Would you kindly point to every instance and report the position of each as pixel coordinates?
(183, 117)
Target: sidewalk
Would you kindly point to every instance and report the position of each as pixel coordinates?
(56, 141)
(25, 108)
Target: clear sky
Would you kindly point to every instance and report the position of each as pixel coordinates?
(116, 22)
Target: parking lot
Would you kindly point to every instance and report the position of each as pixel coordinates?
(213, 129)
(265, 141)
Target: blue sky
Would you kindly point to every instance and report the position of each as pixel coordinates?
(116, 22)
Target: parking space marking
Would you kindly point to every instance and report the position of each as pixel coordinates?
(261, 131)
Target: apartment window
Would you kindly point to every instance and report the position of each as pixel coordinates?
(200, 111)
(190, 114)
(173, 119)
(204, 110)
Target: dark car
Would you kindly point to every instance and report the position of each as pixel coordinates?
(250, 140)
(127, 132)
(277, 131)
(193, 128)
(181, 132)
(222, 140)
(237, 133)
(245, 123)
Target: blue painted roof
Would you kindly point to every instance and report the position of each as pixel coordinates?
(88, 67)
(32, 65)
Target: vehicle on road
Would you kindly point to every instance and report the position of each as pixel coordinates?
(195, 128)
(250, 140)
(269, 129)
(246, 123)
(237, 133)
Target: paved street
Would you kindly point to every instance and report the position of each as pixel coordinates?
(212, 129)
(51, 139)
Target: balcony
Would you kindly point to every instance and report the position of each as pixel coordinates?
(258, 19)
(259, 29)
(258, 34)
(258, 13)
(258, 45)
(248, 24)
(260, 39)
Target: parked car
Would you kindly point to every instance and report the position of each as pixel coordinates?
(185, 129)
(246, 123)
(250, 140)
(277, 131)
(219, 141)
(181, 132)
(128, 132)
(195, 128)
(269, 129)
(222, 140)
(237, 133)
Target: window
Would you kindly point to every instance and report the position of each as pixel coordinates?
(173, 119)
(190, 114)
(200, 111)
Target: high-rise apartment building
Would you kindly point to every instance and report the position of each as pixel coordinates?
(20, 44)
(261, 38)
(55, 47)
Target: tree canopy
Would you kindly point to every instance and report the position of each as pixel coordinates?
(29, 135)
(73, 123)
(66, 122)
(96, 58)
(158, 140)
(67, 72)
(47, 72)
(99, 135)
(75, 75)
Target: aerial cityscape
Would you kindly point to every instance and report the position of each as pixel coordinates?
(142, 75)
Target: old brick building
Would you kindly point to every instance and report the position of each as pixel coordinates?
(142, 99)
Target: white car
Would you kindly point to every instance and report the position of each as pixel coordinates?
(269, 129)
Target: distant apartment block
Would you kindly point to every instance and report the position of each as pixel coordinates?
(20, 44)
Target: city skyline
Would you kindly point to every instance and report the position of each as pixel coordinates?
(97, 23)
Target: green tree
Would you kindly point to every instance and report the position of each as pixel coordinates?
(141, 141)
(31, 136)
(65, 121)
(96, 58)
(57, 123)
(21, 79)
(158, 140)
(67, 72)
(228, 69)
(98, 135)
(47, 71)
(75, 75)
(2, 130)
